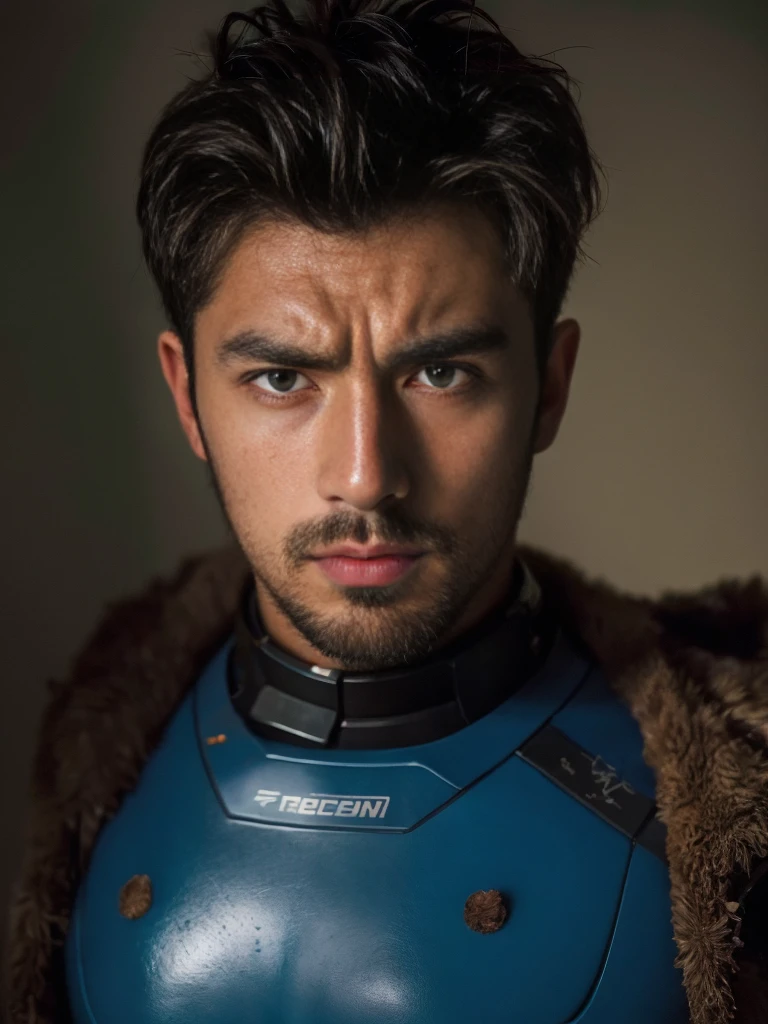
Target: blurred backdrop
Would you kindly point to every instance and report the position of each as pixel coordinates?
(660, 477)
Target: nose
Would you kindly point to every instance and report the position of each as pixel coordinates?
(361, 446)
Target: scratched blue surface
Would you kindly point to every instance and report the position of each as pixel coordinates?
(290, 921)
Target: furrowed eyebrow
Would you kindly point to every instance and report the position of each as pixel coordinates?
(252, 346)
(460, 341)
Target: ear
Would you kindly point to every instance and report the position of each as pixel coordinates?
(174, 367)
(556, 382)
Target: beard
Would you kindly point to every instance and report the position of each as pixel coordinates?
(386, 626)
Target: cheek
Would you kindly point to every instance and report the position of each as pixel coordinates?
(262, 466)
(482, 454)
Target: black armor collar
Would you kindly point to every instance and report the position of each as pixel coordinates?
(281, 697)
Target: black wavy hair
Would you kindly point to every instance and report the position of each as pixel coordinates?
(354, 111)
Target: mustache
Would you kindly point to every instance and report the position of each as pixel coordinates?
(392, 527)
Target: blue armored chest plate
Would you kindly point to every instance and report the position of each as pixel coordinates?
(329, 887)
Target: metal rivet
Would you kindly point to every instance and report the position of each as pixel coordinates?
(136, 897)
(485, 911)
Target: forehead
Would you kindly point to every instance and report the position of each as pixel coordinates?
(406, 276)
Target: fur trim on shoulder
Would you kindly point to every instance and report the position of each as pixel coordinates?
(693, 668)
(97, 731)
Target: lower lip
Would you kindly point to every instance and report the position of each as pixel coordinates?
(367, 572)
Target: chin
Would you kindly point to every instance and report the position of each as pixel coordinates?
(376, 597)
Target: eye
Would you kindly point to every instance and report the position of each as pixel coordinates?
(279, 382)
(441, 377)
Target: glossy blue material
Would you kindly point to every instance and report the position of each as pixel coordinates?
(318, 917)
(598, 722)
(419, 779)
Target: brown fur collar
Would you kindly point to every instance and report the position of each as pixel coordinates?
(692, 668)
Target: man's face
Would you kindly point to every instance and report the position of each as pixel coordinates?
(325, 427)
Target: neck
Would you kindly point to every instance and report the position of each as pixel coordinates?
(284, 697)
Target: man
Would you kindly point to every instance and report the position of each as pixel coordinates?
(377, 762)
